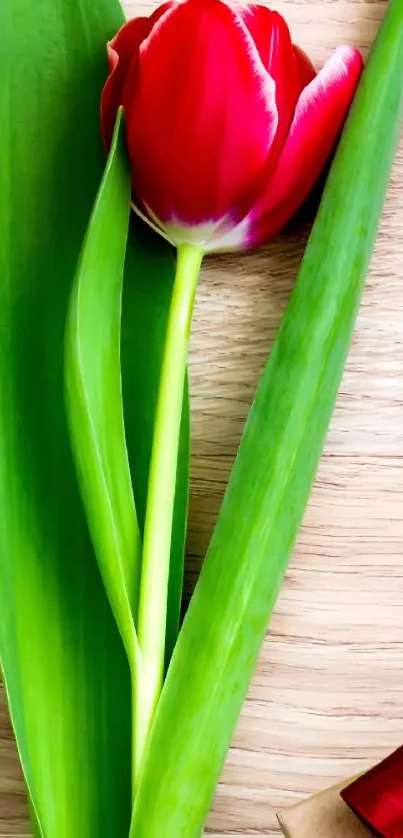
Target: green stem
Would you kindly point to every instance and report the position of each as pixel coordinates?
(161, 494)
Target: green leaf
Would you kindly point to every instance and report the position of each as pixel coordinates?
(59, 646)
(217, 648)
(94, 394)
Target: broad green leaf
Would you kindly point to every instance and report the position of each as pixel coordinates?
(94, 394)
(60, 649)
(224, 627)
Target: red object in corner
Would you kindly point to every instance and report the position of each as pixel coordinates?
(377, 797)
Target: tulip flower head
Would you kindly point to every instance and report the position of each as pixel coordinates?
(228, 123)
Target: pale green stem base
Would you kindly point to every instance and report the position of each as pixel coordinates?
(161, 496)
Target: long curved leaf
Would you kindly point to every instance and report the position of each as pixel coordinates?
(94, 394)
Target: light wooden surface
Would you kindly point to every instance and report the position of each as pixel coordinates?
(327, 697)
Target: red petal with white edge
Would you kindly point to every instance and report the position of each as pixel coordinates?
(201, 113)
(291, 70)
(123, 52)
(319, 116)
(272, 38)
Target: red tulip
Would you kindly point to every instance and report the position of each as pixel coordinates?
(228, 124)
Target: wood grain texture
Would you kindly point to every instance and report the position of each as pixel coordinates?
(327, 697)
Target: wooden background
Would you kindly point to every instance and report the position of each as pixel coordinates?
(327, 697)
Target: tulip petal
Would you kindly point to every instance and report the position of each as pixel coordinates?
(201, 113)
(319, 116)
(291, 70)
(123, 51)
(272, 38)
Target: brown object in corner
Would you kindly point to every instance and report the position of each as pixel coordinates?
(323, 816)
